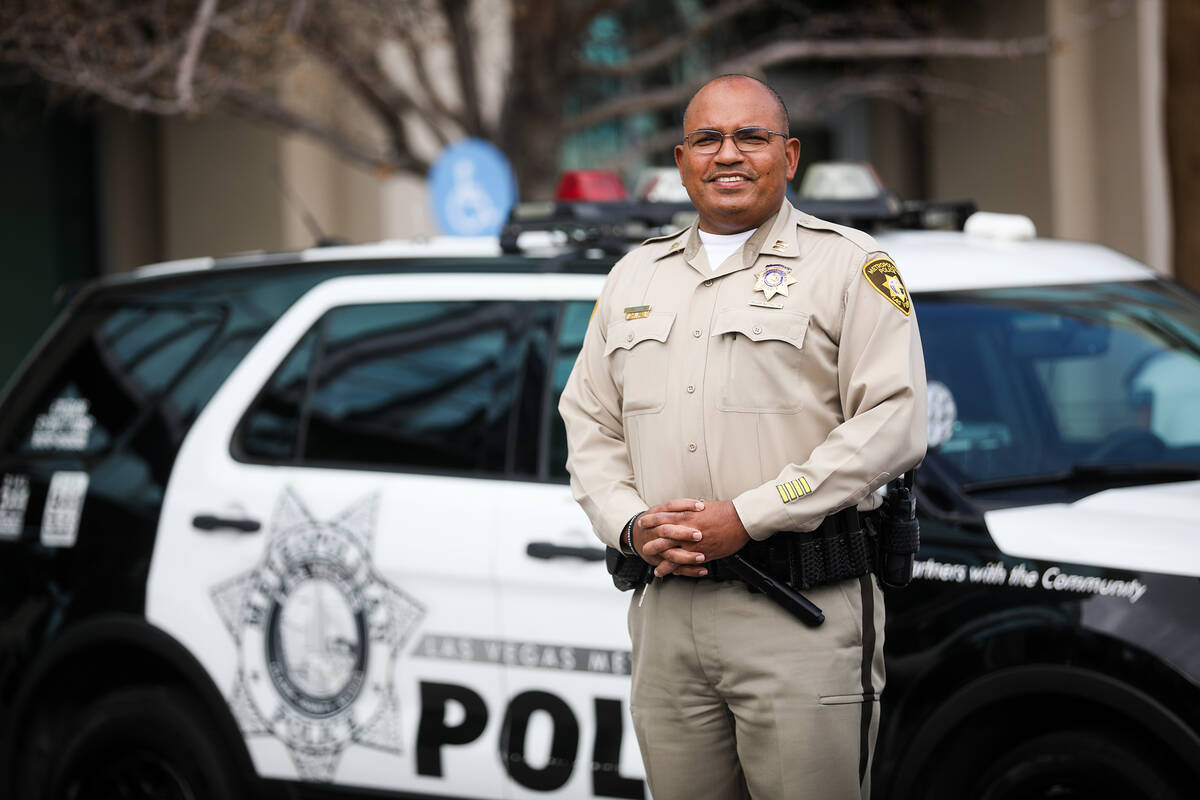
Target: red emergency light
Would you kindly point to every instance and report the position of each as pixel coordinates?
(590, 185)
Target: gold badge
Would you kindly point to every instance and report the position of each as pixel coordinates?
(637, 312)
(774, 279)
(885, 279)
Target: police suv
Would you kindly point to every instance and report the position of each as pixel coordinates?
(298, 526)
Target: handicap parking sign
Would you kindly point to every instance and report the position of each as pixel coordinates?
(472, 189)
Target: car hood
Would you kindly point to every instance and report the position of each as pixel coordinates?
(1142, 528)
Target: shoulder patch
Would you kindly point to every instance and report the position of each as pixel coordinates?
(884, 278)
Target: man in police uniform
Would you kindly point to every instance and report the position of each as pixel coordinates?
(740, 383)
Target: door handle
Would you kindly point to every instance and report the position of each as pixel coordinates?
(207, 522)
(546, 550)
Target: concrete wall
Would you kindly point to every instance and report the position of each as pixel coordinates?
(130, 202)
(1072, 139)
(1108, 178)
(987, 129)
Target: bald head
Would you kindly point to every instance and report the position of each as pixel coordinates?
(732, 188)
(740, 83)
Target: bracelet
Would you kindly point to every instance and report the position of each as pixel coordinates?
(626, 540)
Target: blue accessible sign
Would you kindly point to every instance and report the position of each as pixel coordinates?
(472, 189)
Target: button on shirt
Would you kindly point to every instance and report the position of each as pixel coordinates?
(793, 406)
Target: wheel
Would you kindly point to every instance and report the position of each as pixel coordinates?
(1076, 764)
(140, 744)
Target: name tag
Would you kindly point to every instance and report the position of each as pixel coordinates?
(637, 312)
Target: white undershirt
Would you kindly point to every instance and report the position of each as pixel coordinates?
(718, 247)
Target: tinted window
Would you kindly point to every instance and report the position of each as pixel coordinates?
(271, 430)
(121, 361)
(437, 386)
(1050, 378)
(574, 324)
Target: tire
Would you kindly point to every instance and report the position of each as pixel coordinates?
(1077, 764)
(143, 743)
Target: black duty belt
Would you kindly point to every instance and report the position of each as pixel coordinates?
(842, 547)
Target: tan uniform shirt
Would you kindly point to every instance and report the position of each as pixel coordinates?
(693, 383)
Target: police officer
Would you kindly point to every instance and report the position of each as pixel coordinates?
(741, 383)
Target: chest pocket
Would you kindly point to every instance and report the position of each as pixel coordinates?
(638, 350)
(762, 363)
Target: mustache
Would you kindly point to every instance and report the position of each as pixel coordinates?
(725, 173)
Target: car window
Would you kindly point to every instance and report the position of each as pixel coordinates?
(1050, 378)
(572, 328)
(119, 360)
(271, 431)
(430, 386)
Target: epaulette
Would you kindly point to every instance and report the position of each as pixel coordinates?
(862, 240)
(665, 236)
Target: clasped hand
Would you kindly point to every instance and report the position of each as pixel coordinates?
(680, 535)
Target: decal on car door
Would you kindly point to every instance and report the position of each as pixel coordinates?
(318, 633)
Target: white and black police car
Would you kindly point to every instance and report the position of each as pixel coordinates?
(298, 526)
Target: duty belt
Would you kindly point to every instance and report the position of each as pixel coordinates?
(842, 547)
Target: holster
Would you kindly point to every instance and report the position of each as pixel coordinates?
(628, 572)
(899, 532)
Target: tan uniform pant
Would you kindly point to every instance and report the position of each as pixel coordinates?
(733, 697)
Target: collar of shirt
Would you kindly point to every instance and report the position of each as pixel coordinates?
(777, 237)
(718, 247)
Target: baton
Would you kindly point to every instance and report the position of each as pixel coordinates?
(792, 601)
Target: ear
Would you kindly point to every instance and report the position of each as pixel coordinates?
(679, 157)
(791, 150)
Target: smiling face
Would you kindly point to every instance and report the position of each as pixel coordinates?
(735, 191)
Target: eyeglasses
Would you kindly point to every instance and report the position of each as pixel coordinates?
(745, 139)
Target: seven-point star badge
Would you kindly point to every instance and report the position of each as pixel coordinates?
(318, 633)
(774, 279)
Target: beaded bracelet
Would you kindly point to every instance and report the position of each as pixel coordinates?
(627, 537)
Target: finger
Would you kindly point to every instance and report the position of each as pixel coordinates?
(678, 555)
(655, 547)
(682, 504)
(654, 521)
(666, 568)
(677, 533)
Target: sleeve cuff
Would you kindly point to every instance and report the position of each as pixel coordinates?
(612, 525)
(763, 514)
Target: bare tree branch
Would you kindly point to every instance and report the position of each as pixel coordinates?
(191, 54)
(361, 74)
(861, 49)
(662, 53)
(269, 110)
(421, 73)
(461, 40)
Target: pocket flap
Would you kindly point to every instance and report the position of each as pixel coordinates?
(627, 333)
(757, 325)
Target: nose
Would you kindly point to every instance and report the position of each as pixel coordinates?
(728, 153)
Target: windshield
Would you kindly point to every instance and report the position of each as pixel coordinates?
(1050, 378)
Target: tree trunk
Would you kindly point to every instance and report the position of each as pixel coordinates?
(532, 121)
(1183, 134)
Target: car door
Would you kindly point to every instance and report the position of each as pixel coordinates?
(567, 728)
(327, 543)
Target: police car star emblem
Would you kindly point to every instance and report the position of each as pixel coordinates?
(318, 633)
(773, 279)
